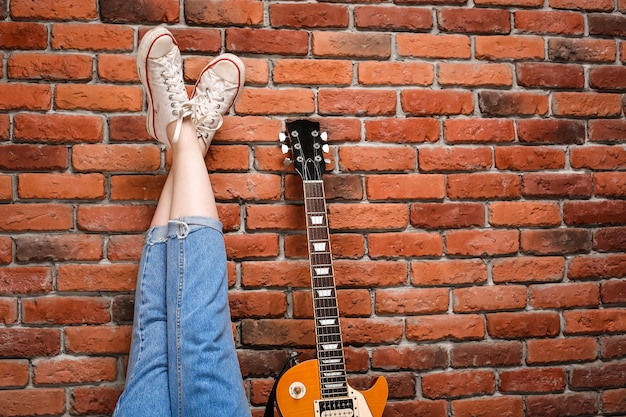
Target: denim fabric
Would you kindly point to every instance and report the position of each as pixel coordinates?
(201, 371)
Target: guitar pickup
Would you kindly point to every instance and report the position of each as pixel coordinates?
(338, 407)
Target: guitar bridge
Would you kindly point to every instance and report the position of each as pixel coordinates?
(337, 407)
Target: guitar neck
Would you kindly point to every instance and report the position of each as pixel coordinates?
(333, 381)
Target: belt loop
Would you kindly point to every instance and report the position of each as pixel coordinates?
(183, 228)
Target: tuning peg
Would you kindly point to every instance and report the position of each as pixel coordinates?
(284, 148)
(288, 161)
(324, 136)
(325, 148)
(282, 136)
(327, 160)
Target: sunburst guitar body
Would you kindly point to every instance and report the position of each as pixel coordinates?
(298, 394)
(319, 387)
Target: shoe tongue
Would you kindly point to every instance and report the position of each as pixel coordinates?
(162, 47)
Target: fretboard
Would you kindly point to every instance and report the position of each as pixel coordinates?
(330, 356)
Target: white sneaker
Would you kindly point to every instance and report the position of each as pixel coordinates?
(160, 68)
(216, 90)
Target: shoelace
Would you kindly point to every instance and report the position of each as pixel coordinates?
(181, 106)
(205, 114)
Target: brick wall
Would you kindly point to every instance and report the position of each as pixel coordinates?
(476, 196)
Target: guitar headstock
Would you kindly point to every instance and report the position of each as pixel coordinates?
(307, 148)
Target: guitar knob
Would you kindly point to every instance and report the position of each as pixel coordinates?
(297, 390)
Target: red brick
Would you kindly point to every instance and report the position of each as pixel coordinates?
(436, 102)
(607, 130)
(358, 331)
(61, 186)
(307, 15)
(356, 102)
(246, 186)
(411, 301)
(20, 96)
(418, 357)
(478, 130)
(489, 298)
(42, 66)
(410, 130)
(404, 244)
(58, 128)
(598, 157)
(528, 269)
(613, 291)
(523, 324)
(30, 342)
(533, 380)
(5, 126)
(58, 247)
(608, 320)
(564, 295)
(482, 354)
(606, 375)
(100, 98)
(14, 373)
(609, 212)
(125, 247)
(349, 273)
(405, 186)
(595, 267)
(610, 239)
(447, 215)
(136, 187)
(309, 71)
(36, 217)
(581, 50)
(582, 4)
(358, 158)
(521, 3)
(23, 35)
(500, 103)
(523, 158)
(252, 245)
(114, 218)
(117, 69)
(224, 13)
(153, 11)
(92, 37)
(458, 384)
(277, 332)
(6, 187)
(457, 158)
(351, 45)
(74, 370)
(66, 310)
(392, 18)
(575, 349)
(483, 186)
(481, 242)
(449, 272)
(266, 41)
(509, 47)
(286, 217)
(395, 73)
(586, 104)
(8, 312)
(25, 280)
(555, 241)
(489, 407)
(33, 157)
(440, 327)
(550, 75)
(550, 22)
(266, 101)
(524, 213)
(474, 74)
(94, 400)
(484, 21)
(614, 401)
(247, 304)
(371, 216)
(59, 10)
(89, 277)
(547, 185)
(433, 46)
(553, 405)
(416, 408)
(33, 402)
(256, 274)
(607, 25)
(607, 78)
(97, 340)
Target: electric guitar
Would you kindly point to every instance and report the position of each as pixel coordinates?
(319, 387)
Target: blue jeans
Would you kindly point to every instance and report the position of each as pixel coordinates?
(182, 358)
